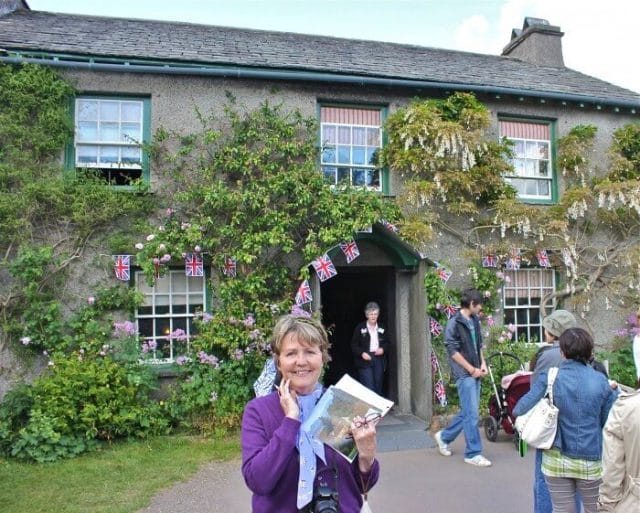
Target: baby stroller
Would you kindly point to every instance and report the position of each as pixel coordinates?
(514, 383)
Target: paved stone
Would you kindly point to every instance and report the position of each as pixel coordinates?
(415, 478)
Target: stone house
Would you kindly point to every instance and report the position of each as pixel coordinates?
(134, 76)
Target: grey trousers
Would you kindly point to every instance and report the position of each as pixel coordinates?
(563, 493)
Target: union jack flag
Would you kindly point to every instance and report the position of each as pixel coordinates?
(441, 392)
(489, 261)
(513, 262)
(122, 266)
(443, 274)
(435, 327)
(229, 268)
(193, 265)
(304, 293)
(543, 258)
(350, 250)
(449, 310)
(435, 364)
(388, 225)
(324, 267)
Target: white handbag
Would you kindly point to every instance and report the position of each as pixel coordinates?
(538, 426)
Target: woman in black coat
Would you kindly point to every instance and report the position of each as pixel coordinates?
(369, 345)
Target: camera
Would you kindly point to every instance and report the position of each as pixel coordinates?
(325, 500)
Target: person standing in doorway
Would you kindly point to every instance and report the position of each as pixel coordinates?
(370, 344)
(464, 348)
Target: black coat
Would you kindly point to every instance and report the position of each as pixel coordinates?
(360, 343)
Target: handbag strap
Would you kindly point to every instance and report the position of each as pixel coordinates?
(551, 378)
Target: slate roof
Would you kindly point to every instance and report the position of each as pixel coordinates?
(181, 43)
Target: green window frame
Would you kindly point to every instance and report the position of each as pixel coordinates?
(350, 137)
(109, 137)
(534, 175)
(172, 302)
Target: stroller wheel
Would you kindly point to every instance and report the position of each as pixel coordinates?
(491, 429)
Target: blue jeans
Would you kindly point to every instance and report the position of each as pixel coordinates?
(372, 377)
(467, 419)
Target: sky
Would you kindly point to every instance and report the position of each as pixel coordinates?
(601, 37)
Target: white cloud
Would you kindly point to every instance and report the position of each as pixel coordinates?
(601, 38)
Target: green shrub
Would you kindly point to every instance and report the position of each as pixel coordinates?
(78, 402)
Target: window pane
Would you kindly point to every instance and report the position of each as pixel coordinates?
(329, 175)
(109, 154)
(518, 166)
(530, 168)
(131, 133)
(373, 136)
(109, 132)
(344, 155)
(543, 167)
(543, 188)
(344, 135)
(531, 188)
(532, 149)
(359, 135)
(87, 110)
(373, 177)
(329, 134)
(518, 148)
(329, 154)
(359, 155)
(109, 111)
(343, 174)
(543, 148)
(145, 327)
(131, 111)
(358, 177)
(87, 131)
(371, 156)
(131, 155)
(87, 154)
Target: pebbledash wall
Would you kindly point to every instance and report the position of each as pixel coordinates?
(174, 97)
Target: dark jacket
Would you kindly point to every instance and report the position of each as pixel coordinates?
(457, 338)
(583, 397)
(360, 343)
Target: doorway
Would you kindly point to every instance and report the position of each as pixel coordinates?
(343, 300)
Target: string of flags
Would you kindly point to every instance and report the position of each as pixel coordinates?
(439, 388)
(513, 260)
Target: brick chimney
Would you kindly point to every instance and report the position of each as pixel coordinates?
(8, 6)
(537, 43)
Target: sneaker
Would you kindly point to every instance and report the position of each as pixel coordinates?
(442, 447)
(478, 461)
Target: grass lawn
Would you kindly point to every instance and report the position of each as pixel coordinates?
(117, 479)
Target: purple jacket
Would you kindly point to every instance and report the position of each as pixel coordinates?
(270, 464)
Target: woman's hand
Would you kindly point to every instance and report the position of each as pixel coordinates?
(366, 356)
(364, 436)
(288, 400)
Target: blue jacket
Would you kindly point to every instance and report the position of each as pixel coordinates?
(583, 397)
(457, 338)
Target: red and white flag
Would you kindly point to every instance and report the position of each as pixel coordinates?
(435, 364)
(435, 327)
(122, 267)
(324, 267)
(350, 250)
(230, 266)
(441, 393)
(449, 310)
(444, 274)
(388, 225)
(513, 262)
(193, 265)
(489, 261)
(304, 293)
(543, 258)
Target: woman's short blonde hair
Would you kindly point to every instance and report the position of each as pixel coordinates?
(307, 329)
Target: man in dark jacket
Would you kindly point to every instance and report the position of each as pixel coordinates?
(464, 347)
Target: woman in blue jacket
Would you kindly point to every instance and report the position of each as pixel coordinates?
(583, 397)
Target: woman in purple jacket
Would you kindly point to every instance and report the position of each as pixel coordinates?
(287, 470)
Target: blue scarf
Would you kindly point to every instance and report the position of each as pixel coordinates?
(308, 447)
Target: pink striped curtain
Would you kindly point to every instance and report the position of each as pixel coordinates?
(521, 130)
(350, 116)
